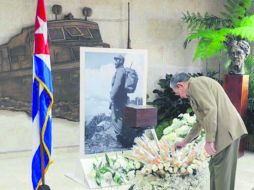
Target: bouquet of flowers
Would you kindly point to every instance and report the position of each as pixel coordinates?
(111, 170)
(180, 127)
(165, 167)
(154, 164)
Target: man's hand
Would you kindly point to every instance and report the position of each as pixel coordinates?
(180, 144)
(209, 148)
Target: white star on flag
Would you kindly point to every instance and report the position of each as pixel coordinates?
(42, 29)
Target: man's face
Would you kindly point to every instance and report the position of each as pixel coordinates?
(118, 62)
(181, 90)
(238, 56)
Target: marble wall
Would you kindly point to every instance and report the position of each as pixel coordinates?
(155, 25)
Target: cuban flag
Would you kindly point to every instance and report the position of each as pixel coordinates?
(42, 99)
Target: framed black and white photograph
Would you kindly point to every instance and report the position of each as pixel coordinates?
(110, 80)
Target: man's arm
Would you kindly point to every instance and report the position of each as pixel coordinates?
(194, 132)
(207, 106)
(209, 122)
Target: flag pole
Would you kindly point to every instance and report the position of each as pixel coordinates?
(43, 186)
(42, 107)
(41, 148)
(129, 39)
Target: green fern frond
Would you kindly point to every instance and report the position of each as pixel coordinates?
(245, 29)
(212, 32)
(195, 21)
(246, 4)
(208, 48)
(249, 64)
(235, 10)
(215, 35)
(247, 21)
(211, 42)
(236, 22)
(244, 32)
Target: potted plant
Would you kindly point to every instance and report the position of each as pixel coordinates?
(169, 105)
(229, 33)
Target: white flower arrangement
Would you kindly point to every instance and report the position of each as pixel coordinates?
(111, 170)
(154, 164)
(180, 127)
(164, 167)
(171, 182)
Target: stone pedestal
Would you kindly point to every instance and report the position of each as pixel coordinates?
(236, 87)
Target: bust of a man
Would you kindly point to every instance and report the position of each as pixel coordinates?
(238, 50)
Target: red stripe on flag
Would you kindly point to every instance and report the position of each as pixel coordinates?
(40, 28)
(40, 46)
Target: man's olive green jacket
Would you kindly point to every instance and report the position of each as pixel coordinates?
(215, 113)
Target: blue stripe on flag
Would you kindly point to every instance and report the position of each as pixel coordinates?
(43, 72)
(45, 101)
(42, 101)
(35, 100)
(42, 104)
(48, 135)
(36, 168)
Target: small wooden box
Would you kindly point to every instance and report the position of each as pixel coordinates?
(140, 116)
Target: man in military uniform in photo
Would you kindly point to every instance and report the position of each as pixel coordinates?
(118, 94)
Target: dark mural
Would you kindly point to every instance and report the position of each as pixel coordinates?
(65, 39)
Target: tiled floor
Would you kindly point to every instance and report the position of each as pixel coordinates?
(245, 172)
(15, 156)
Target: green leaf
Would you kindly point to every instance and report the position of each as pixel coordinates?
(118, 179)
(247, 21)
(94, 166)
(236, 22)
(249, 64)
(226, 65)
(108, 160)
(98, 179)
(245, 32)
(211, 42)
(189, 110)
(206, 49)
(105, 169)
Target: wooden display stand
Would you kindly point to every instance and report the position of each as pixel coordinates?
(136, 119)
(236, 87)
(140, 116)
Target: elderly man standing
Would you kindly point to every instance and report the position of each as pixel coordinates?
(118, 94)
(222, 123)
